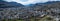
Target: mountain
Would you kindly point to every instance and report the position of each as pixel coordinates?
(15, 4)
(46, 3)
(4, 4)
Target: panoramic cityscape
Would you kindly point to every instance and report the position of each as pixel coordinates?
(29, 10)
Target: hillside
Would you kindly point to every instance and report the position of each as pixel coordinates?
(4, 4)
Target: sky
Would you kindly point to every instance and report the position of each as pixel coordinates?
(27, 2)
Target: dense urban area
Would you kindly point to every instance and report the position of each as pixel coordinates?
(49, 11)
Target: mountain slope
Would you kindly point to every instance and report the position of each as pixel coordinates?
(4, 4)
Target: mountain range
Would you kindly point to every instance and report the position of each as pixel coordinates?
(4, 4)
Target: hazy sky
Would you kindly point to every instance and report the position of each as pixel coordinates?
(26, 2)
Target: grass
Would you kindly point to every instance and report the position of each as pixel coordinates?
(46, 18)
(12, 20)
